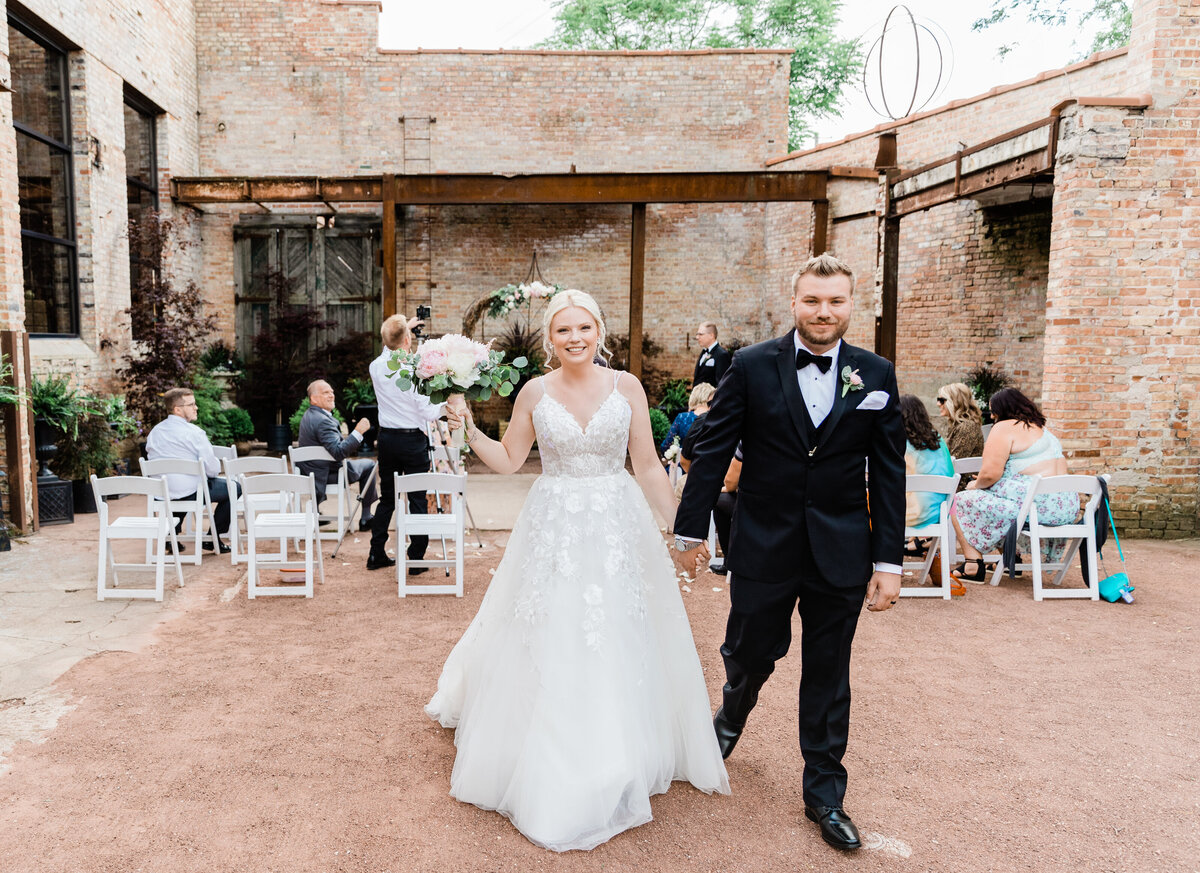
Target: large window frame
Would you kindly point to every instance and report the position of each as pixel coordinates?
(67, 244)
(136, 186)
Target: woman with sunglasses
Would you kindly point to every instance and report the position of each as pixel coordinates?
(964, 428)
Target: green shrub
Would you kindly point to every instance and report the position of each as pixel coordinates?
(239, 423)
(294, 421)
(675, 395)
(659, 425)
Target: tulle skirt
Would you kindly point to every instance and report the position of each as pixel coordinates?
(576, 692)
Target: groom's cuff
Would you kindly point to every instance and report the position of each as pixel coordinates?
(889, 568)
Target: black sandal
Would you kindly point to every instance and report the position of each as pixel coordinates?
(980, 574)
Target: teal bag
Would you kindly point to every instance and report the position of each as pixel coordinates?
(1117, 586)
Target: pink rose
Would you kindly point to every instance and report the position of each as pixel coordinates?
(432, 363)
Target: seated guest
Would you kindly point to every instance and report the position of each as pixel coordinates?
(318, 427)
(1019, 446)
(925, 453)
(688, 443)
(176, 437)
(702, 394)
(964, 422)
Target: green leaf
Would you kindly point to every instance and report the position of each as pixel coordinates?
(485, 393)
(393, 364)
(403, 383)
(521, 362)
(505, 389)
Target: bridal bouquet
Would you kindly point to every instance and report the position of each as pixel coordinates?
(455, 366)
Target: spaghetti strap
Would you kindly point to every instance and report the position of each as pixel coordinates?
(616, 378)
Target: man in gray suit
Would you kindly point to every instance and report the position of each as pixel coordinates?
(318, 427)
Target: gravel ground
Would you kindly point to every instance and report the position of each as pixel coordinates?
(990, 733)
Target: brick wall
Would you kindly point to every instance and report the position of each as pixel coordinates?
(1122, 324)
(295, 88)
(151, 47)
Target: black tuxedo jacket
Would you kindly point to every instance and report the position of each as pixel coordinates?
(712, 372)
(796, 484)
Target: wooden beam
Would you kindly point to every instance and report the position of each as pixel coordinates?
(885, 329)
(637, 280)
(433, 189)
(820, 229)
(19, 473)
(391, 305)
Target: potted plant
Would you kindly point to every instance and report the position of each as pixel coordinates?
(675, 396)
(984, 381)
(56, 407)
(225, 367)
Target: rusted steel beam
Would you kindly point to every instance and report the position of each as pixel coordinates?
(637, 288)
(390, 303)
(467, 189)
(1025, 167)
(978, 147)
(820, 229)
(885, 328)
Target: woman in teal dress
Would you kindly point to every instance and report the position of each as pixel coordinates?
(925, 453)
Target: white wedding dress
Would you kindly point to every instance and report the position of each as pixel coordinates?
(576, 691)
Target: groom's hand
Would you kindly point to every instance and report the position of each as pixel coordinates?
(883, 591)
(689, 562)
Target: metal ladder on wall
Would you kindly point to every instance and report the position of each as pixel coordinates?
(416, 279)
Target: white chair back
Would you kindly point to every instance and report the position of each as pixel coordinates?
(197, 511)
(339, 490)
(224, 452)
(291, 515)
(445, 525)
(155, 528)
(940, 534)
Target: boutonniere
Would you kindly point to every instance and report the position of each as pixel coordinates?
(851, 381)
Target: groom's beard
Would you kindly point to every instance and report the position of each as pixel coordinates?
(826, 339)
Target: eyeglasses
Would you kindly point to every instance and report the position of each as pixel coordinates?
(942, 400)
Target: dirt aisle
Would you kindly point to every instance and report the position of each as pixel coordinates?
(991, 733)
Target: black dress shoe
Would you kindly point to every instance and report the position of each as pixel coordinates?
(836, 827)
(378, 562)
(365, 523)
(728, 733)
(224, 550)
(719, 569)
(417, 571)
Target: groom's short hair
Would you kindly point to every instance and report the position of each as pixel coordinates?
(823, 266)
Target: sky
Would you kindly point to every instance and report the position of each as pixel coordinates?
(972, 66)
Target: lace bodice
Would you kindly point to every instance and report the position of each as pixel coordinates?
(595, 450)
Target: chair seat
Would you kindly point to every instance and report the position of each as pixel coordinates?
(133, 527)
(435, 524)
(282, 522)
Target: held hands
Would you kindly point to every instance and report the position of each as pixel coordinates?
(883, 591)
(689, 562)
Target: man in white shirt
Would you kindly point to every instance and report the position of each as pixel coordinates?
(176, 437)
(402, 447)
(714, 359)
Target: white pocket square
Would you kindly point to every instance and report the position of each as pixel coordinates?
(874, 400)
(711, 362)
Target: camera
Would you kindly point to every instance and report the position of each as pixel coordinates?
(423, 313)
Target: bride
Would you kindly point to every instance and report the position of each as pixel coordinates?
(576, 691)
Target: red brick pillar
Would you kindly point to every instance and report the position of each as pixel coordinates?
(1122, 348)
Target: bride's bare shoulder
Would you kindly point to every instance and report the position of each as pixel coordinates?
(630, 386)
(531, 392)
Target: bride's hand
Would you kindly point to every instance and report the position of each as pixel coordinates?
(459, 416)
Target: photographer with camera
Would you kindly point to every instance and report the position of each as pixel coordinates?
(403, 444)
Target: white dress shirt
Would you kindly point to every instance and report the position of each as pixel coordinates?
(707, 353)
(818, 389)
(406, 409)
(176, 437)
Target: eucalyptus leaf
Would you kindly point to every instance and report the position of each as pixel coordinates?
(485, 393)
(403, 382)
(393, 364)
(505, 389)
(521, 362)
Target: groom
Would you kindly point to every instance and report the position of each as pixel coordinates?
(811, 413)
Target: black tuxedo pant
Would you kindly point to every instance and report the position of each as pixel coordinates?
(402, 452)
(759, 633)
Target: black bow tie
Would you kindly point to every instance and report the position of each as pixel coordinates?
(804, 357)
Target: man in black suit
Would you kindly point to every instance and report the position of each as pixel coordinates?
(714, 360)
(318, 427)
(811, 413)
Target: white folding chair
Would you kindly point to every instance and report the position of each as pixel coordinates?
(155, 528)
(198, 512)
(224, 452)
(293, 515)
(964, 467)
(1080, 532)
(940, 534)
(446, 525)
(987, 429)
(334, 490)
(234, 469)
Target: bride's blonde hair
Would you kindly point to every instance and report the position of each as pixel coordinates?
(565, 300)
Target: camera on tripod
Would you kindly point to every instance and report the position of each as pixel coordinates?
(423, 313)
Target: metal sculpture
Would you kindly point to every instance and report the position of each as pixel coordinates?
(930, 62)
